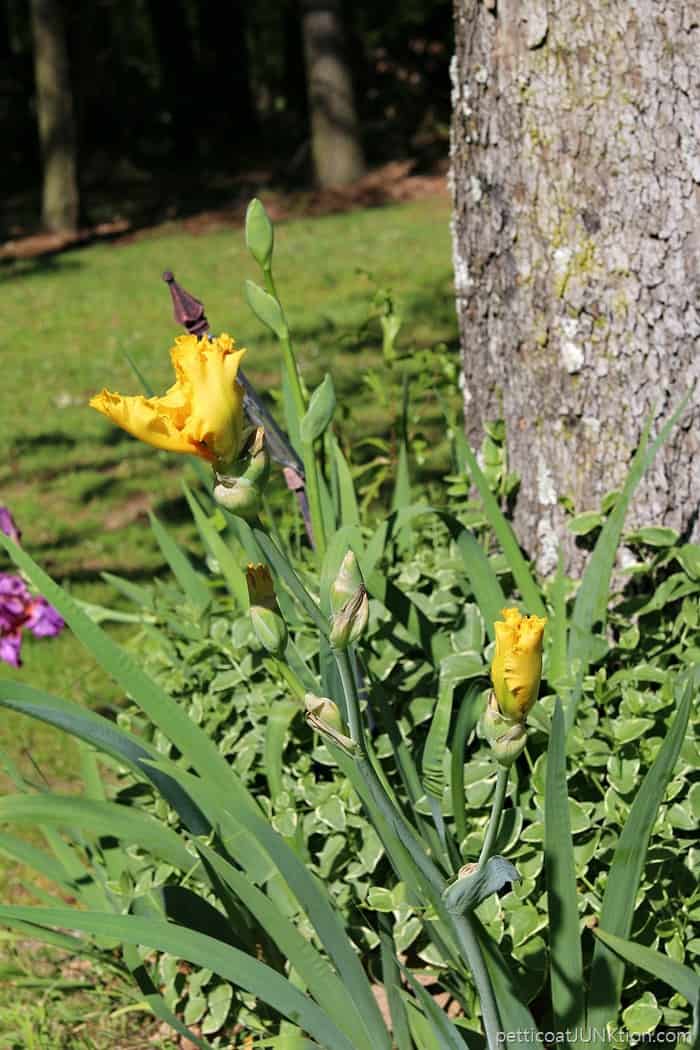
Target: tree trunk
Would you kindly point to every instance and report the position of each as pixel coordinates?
(575, 177)
(225, 87)
(335, 135)
(54, 104)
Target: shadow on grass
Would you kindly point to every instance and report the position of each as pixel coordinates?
(53, 264)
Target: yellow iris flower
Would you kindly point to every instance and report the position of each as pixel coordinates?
(517, 663)
(201, 413)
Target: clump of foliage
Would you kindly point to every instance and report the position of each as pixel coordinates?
(294, 858)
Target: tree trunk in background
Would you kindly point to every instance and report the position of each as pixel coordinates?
(54, 104)
(575, 173)
(224, 72)
(335, 134)
(179, 86)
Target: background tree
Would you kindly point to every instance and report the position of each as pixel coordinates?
(575, 174)
(335, 135)
(54, 103)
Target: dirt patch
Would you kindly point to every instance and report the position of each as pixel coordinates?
(393, 183)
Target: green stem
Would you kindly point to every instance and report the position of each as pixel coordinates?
(290, 361)
(292, 679)
(352, 700)
(462, 925)
(495, 818)
(313, 494)
(484, 989)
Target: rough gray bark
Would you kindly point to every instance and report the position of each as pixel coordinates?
(54, 104)
(575, 171)
(335, 133)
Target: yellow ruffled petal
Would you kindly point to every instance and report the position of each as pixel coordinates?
(517, 662)
(149, 419)
(207, 373)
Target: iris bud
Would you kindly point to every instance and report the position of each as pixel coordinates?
(268, 626)
(323, 716)
(349, 603)
(241, 491)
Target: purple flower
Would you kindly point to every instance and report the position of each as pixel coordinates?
(43, 620)
(9, 647)
(14, 597)
(17, 610)
(7, 525)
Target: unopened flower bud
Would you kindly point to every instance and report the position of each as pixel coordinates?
(323, 716)
(348, 625)
(270, 629)
(347, 583)
(241, 491)
(268, 625)
(506, 736)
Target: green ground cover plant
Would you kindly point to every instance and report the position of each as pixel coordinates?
(394, 836)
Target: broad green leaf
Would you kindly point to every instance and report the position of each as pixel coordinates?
(155, 1000)
(392, 988)
(319, 413)
(444, 1032)
(76, 946)
(555, 635)
(266, 309)
(311, 895)
(276, 728)
(582, 524)
(566, 970)
(242, 970)
(135, 593)
(105, 735)
(33, 857)
(316, 973)
(259, 233)
(514, 1015)
(654, 536)
(99, 818)
(509, 545)
(592, 598)
(484, 582)
(349, 511)
(231, 571)
(468, 892)
(468, 715)
(433, 768)
(192, 583)
(626, 870)
(681, 978)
